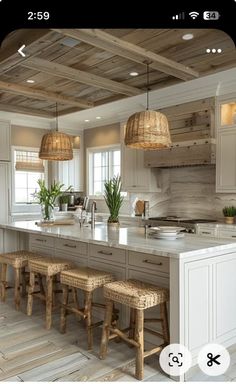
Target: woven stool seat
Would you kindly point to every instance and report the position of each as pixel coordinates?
(48, 266)
(17, 259)
(136, 294)
(85, 278)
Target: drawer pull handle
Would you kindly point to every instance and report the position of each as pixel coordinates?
(105, 253)
(233, 236)
(206, 233)
(69, 246)
(151, 262)
(42, 240)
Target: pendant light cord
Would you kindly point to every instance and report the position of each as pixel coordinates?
(56, 118)
(147, 87)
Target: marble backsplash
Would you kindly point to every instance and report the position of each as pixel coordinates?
(189, 192)
(186, 192)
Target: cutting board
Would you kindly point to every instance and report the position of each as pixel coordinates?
(56, 222)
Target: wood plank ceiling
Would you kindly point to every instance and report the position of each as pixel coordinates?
(80, 69)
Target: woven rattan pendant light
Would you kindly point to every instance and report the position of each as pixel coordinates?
(56, 145)
(147, 129)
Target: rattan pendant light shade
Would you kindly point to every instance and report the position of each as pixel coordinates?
(56, 145)
(147, 129)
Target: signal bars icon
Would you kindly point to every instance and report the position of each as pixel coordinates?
(180, 16)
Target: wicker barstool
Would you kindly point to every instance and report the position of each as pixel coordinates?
(48, 267)
(18, 260)
(87, 280)
(138, 296)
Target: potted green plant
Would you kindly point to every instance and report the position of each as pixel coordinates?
(229, 213)
(47, 197)
(113, 199)
(64, 201)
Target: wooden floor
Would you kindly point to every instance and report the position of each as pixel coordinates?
(28, 352)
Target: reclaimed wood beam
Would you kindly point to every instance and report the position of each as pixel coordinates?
(130, 51)
(60, 70)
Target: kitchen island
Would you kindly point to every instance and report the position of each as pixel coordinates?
(199, 271)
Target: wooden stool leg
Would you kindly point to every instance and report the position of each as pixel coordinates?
(23, 281)
(65, 294)
(17, 288)
(106, 329)
(49, 288)
(30, 294)
(88, 318)
(132, 324)
(40, 282)
(76, 302)
(164, 322)
(3, 281)
(139, 337)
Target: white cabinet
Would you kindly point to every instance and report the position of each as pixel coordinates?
(4, 192)
(70, 172)
(226, 146)
(205, 230)
(135, 177)
(5, 140)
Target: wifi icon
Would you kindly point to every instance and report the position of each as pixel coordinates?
(193, 15)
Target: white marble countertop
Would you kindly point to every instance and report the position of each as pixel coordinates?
(132, 238)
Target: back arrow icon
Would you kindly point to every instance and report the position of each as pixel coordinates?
(20, 51)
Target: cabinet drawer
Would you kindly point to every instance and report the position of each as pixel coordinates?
(227, 233)
(71, 246)
(207, 232)
(153, 262)
(78, 260)
(42, 241)
(115, 255)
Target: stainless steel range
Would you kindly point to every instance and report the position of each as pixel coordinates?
(189, 224)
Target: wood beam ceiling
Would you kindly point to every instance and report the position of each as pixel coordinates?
(43, 95)
(117, 46)
(25, 111)
(83, 77)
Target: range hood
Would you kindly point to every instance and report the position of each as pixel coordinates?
(185, 153)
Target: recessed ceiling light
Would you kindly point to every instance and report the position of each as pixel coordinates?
(30, 81)
(86, 121)
(187, 36)
(98, 117)
(133, 73)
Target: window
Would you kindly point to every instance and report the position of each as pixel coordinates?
(27, 169)
(103, 165)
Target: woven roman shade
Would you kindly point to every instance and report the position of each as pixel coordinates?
(28, 161)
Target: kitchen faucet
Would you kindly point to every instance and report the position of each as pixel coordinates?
(93, 208)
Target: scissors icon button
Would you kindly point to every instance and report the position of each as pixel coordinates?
(213, 359)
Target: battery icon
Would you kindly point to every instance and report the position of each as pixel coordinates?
(211, 15)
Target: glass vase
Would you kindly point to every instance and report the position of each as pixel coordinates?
(47, 213)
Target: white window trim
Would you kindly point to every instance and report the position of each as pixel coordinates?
(18, 208)
(88, 171)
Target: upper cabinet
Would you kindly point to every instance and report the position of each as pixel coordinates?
(226, 145)
(135, 176)
(5, 140)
